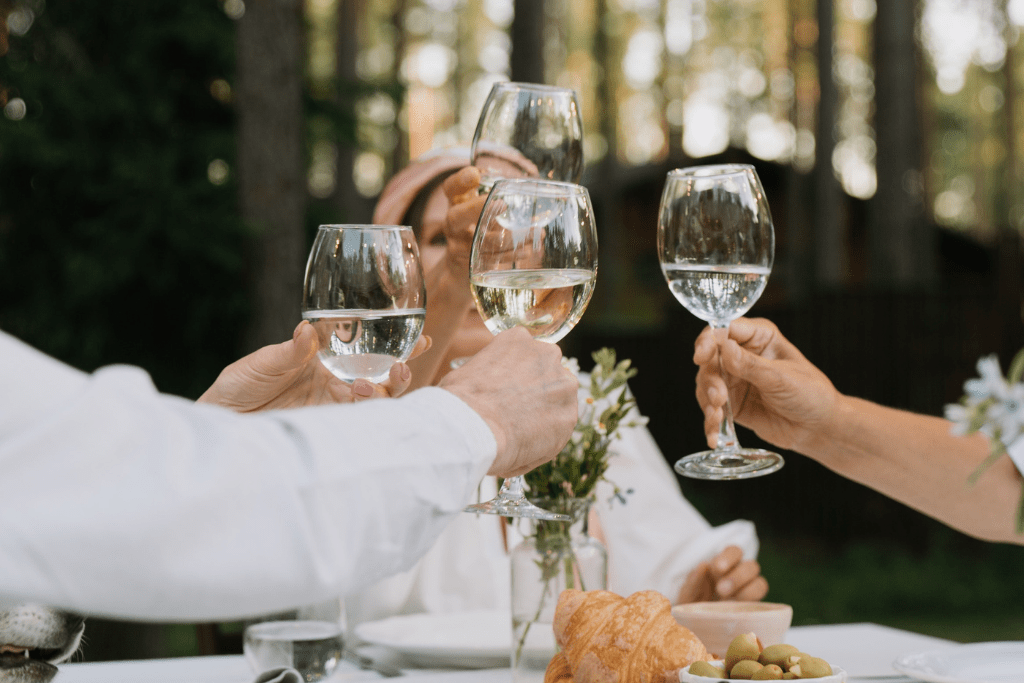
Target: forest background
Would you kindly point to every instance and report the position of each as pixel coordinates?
(155, 209)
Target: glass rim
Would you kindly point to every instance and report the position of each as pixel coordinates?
(538, 87)
(540, 184)
(361, 226)
(711, 170)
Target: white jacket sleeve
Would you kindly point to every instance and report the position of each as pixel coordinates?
(656, 537)
(123, 502)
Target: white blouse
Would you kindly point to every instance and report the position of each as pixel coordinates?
(654, 540)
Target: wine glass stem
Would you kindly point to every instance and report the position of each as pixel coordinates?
(512, 486)
(727, 440)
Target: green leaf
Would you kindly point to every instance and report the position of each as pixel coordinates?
(1016, 368)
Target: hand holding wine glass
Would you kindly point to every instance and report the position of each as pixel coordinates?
(533, 265)
(716, 245)
(364, 295)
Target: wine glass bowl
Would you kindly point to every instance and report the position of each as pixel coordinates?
(533, 264)
(534, 257)
(365, 296)
(716, 246)
(528, 130)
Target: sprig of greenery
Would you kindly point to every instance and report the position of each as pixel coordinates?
(582, 463)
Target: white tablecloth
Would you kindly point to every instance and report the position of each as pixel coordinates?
(864, 650)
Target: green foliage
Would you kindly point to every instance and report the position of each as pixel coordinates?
(581, 464)
(114, 244)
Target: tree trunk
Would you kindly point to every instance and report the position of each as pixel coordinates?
(352, 206)
(830, 243)
(527, 35)
(901, 246)
(271, 168)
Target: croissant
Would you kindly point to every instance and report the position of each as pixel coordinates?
(605, 638)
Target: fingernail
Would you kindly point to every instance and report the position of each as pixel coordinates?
(362, 388)
(406, 372)
(721, 565)
(724, 587)
(298, 330)
(712, 393)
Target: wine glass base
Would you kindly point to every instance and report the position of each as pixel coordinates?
(742, 463)
(516, 506)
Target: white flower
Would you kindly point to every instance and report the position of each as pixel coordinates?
(1008, 414)
(990, 384)
(961, 416)
(571, 364)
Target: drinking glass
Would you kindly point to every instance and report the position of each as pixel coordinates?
(533, 263)
(313, 648)
(716, 245)
(364, 295)
(528, 130)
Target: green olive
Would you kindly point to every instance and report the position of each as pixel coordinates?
(777, 654)
(770, 672)
(745, 669)
(743, 647)
(811, 667)
(706, 669)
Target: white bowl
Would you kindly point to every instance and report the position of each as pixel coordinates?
(717, 623)
(838, 676)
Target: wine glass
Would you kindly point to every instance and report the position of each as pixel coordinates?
(528, 130)
(716, 245)
(533, 264)
(365, 296)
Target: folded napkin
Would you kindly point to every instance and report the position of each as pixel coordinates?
(281, 674)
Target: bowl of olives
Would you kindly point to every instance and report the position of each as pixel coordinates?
(747, 660)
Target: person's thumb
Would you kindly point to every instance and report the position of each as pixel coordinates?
(286, 356)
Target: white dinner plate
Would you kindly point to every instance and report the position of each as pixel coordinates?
(971, 663)
(472, 640)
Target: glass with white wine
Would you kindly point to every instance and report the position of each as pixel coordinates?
(365, 296)
(533, 264)
(528, 130)
(716, 245)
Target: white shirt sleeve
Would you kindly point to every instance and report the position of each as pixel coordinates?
(123, 502)
(656, 537)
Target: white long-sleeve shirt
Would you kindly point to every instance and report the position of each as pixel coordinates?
(119, 501)
(654, 540)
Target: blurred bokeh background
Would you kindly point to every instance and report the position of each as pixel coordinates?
(163, 165)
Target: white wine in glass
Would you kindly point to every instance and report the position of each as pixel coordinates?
(533, 264)
(365, 296)
(716, 245)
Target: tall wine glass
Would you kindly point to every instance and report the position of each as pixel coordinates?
(716, 245)
(533, 264)
(528, 130)
(365, 296)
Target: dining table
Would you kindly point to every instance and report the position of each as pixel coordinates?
(866, 651)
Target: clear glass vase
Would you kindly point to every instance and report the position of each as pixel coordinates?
(552, 557)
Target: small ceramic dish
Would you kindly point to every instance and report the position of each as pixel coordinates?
(717, 623)
(838, 676)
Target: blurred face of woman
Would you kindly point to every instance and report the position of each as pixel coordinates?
(472, 335)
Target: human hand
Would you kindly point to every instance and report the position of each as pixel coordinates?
(520, 388)
(289, 375)
(774, 390)
(464, 207)
(727, 576)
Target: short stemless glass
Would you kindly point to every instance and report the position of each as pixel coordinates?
(365, 296)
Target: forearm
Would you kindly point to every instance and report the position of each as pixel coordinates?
(916, 460)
